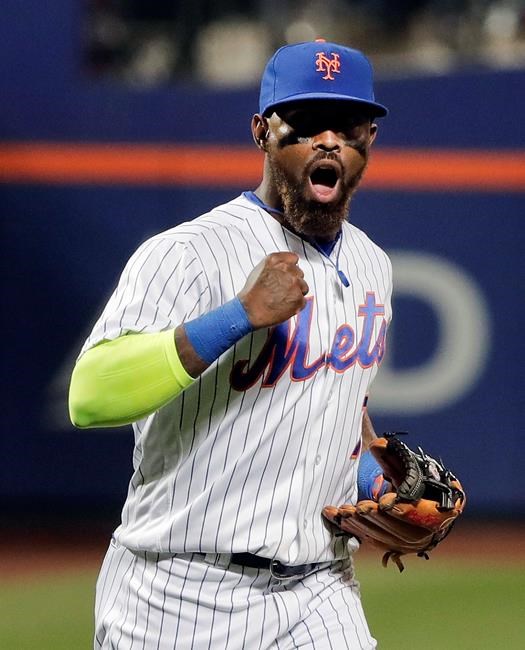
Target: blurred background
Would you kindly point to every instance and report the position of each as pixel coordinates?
(121, 118)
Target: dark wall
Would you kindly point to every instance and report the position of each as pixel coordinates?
(64, 246)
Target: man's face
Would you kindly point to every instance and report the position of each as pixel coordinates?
(317, 153)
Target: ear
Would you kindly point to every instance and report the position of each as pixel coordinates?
(373, 133)
(260, 131)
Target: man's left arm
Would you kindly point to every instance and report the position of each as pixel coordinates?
(367, 433)
(371, 483)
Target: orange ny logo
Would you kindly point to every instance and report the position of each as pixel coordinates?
(324, 64)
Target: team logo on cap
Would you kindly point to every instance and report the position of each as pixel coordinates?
(326, 65)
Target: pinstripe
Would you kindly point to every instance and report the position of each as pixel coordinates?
(318, 613)
(148, 608)
(194, 426)
(208, 282)
(280, 630)
(242, 205)
(190, 313)
(345, 628)
(265, 248)
(163, 608)
(263, 624)
(355, 606)
(365, 256)
(192, 468)
(346, 594)
(335, 477)
(138, 599)
(215, 387)
(128, 598)
(306, 253)
(197, 608)
(292, 637)
(230, 434)
(293, 592)
(212, 626)
(152, 278)
(100, 603)
(188, 288)
(263, 472)
(248, 600)
(170, 276)
(247, 476)
(107, 572)
(233, 249)
(303, 438)
(229, 213)
(181, 600)
(230, 274)
(121, 290)
(265, 222)
(218, 268)
(342, 627)
(106, 607)
(215, 548)
(384, 276)
(281, 465)
(135, 284)
(223, 504)
(231, 610)
(278, 596)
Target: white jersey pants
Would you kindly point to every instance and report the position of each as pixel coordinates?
(152, 601)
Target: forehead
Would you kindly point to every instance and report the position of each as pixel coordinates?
(324, 109)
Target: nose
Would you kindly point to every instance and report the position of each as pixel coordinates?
(326, 140)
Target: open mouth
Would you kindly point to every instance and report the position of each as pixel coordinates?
(324, 180)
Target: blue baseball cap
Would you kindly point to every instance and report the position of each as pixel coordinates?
(318, 70)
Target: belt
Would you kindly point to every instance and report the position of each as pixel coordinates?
(276, 568)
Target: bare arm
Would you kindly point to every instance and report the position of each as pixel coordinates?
(273, 293)
(368, 434)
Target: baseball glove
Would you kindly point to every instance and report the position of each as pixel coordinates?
(415, 516)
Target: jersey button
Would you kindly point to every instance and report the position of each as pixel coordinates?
(305, 523)
(317, 459)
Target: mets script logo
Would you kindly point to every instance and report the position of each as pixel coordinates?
(326, 65)
(285, 348)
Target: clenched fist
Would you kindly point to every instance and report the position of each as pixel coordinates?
(274, 291)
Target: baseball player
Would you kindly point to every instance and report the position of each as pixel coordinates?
(242, 346)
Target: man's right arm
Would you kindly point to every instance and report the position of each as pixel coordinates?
(124, 380)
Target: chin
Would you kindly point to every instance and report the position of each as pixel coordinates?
(315, 219)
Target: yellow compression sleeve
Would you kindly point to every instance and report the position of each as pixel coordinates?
(118, 382)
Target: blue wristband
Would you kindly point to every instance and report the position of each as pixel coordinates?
(370, 481)
(215, 332)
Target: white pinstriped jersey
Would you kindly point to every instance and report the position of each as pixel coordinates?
(246, 457)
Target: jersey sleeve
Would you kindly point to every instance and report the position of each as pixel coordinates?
(389, 289)
(162, 285)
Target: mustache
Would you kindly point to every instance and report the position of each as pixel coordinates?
(322, 156)
(349, 184)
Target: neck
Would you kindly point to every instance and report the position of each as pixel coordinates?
(278, 214)
(267, 193)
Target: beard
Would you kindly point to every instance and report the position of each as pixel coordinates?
(306, 216)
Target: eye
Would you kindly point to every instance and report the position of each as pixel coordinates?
(301, 121)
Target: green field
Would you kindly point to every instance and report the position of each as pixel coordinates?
(433, 605)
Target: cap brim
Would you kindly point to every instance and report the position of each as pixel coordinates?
(375, 109)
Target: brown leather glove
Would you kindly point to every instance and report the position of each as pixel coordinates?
(416, 516)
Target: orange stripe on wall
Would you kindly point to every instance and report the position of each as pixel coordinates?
(235, 166)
